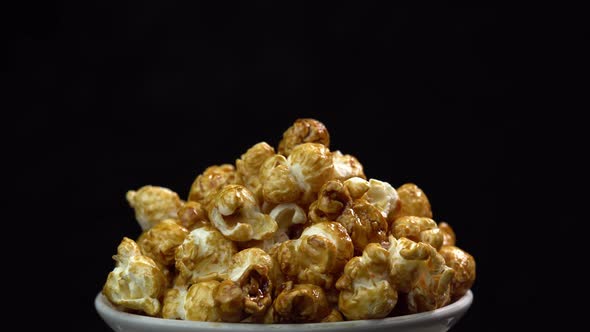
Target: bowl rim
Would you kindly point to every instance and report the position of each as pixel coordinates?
(452, 311)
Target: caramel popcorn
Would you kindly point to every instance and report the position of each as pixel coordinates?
(304, 131)
(416, 268)
(192, 215)
(153, 204)
(300, 303)
(213, 178)
(418, 229)
(449, 237)
(363, 221)
(297, 178)
(289, 217)
(293, 236)
(160, 242)
(235, 213)
(413, 202)
(464, 266)
(346, 166)
(317, 256)
(366, 292)
(136, 282)
(196, 303)
(205, 254)
(248, 167)
(251, 271)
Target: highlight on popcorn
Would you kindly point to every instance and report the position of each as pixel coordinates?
(293, 235)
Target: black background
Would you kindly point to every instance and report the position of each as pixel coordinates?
(153, 93)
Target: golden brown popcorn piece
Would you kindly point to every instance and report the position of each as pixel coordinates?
(136, 282)
(364, 223)
(213, 178)
(333, 316)
(449, 238)
(383, 197)
(173, 304)
(297, 178)
(250, 271)
(192, 215)
(362, 220)
(418, 229)
(160, 242)
(300, 303)
(235, 213)
(317, 257)
(332, 200)
(153, 204)
(290, 218)
(416, 268)
(366, 292)
(380, 194)
(464, 265)
(304, 131)
(205, 254)
(229, 298)
(248, 167)
(196, 303)
(357, 187)
(312, 166)
(346, 166)
(278, 184)
(413, 202)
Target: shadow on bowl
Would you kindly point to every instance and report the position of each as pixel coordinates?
(438, 320)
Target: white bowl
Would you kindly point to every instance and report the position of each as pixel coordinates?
(432, 321)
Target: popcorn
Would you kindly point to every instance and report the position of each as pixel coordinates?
(332, 200)
(300, 303)
(274, 240)
(195, 304)
(204, 255)
(297, 178)
(363, 221)
(251, 271)
(136, 282)
(416, 268)
(464, 266)
(192, 215)
(160, 242)
(357, 187)
(383, 197)
(213, 178)
(317, 256)
(289, 218)
(449, 237)
(153, 204)
(248, 167)
(304, 131)
(413, 202)
(333, 316)
(366, 292)
(235, 213)
(229, 298)
(346, 166)
(418, 229)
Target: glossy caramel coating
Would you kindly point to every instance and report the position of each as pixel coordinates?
(303, 131)
(153, 204)
(464, 265)
(136, 282)
(210, 181)
(413, 202)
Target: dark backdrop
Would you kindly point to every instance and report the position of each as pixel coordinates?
(153, 93)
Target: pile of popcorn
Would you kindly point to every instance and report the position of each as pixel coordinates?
(293, 236)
